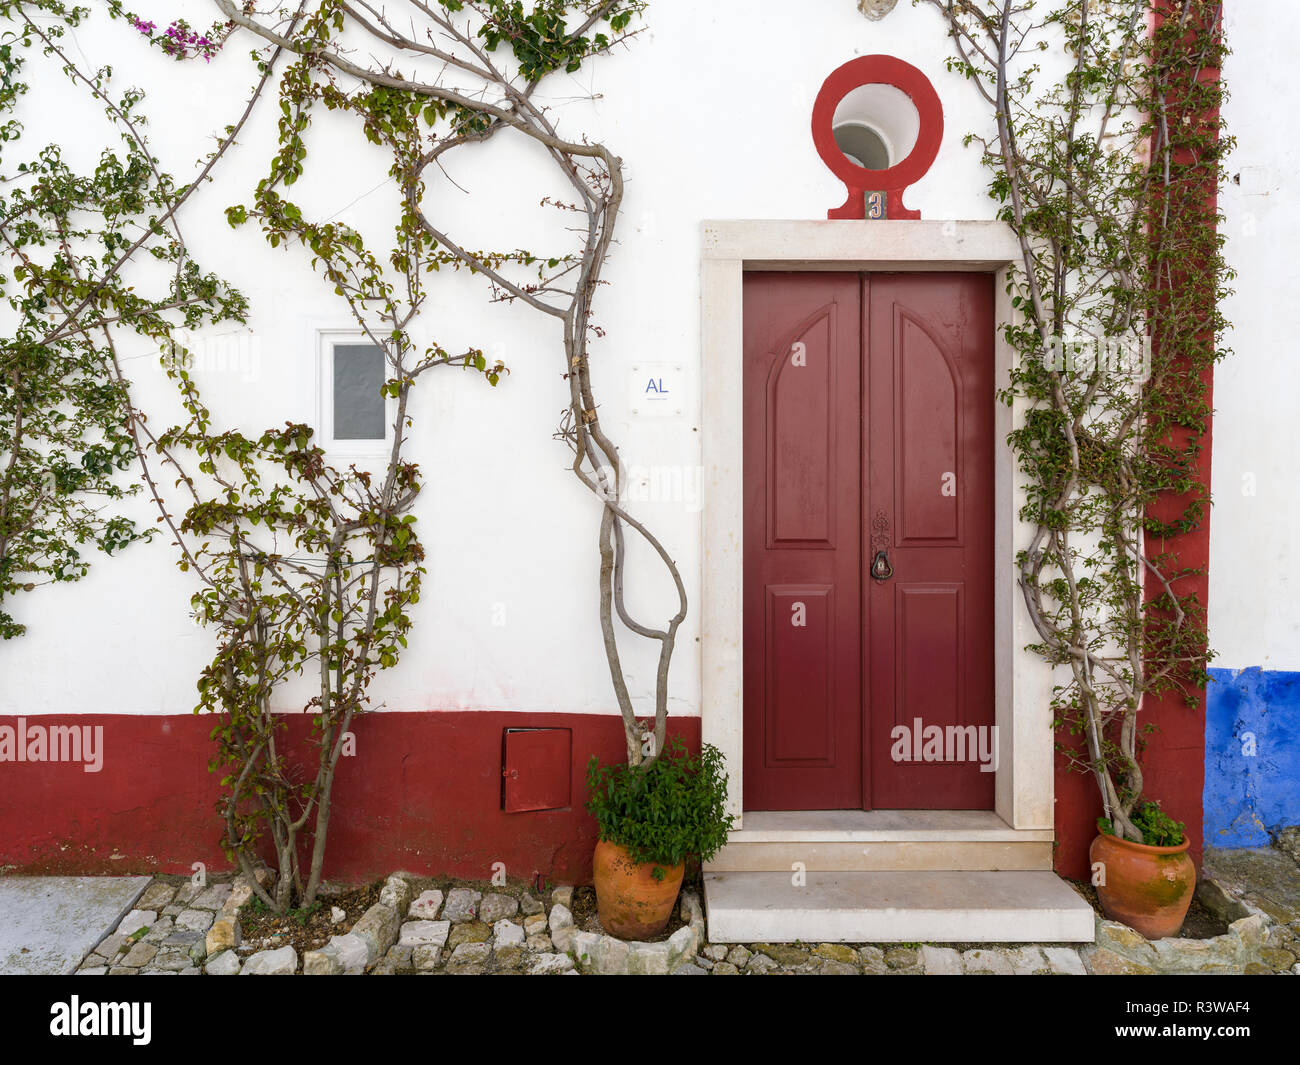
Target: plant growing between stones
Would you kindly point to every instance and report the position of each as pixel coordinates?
(304, 567)
(1107, 174)
(77, 301)
(307, 568)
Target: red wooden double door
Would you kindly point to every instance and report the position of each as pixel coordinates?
(868, 539)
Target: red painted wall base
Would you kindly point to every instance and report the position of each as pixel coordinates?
(422, 793)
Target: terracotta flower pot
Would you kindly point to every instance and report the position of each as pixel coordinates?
(631, 903)
(1147, 888)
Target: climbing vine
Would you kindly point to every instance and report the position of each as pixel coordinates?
(445, 77)
(308, 569)
(1105, 161)
(69, 236)
(304, 568)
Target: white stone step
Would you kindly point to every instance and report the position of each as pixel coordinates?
(895, 907)
(868, 825)
(885, 856)
(882, 840)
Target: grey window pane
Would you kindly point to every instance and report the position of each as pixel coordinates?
(862, 145)
(358, 404)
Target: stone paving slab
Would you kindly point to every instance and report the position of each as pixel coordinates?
(1265, 877)
(49, 923)
(419, 935)
(429, 926)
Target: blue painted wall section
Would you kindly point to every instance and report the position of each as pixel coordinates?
(1252, 756)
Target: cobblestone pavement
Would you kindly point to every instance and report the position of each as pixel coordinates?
(417, 927)
(1267, 879)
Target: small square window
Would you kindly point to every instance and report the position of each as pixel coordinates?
(357, 388)
(356, 417)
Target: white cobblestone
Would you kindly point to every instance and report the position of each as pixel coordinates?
(941, 961)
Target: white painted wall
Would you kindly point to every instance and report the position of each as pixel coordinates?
(1254, 567)
(709, 109)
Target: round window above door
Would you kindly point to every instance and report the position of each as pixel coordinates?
(877, 124)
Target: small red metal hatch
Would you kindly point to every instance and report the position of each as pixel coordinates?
(536, 769)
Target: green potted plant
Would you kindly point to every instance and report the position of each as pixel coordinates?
(1147, 885)
(651, 817)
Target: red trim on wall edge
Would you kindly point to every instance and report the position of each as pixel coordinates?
(422, 794)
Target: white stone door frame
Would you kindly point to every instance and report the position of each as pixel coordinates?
(1022, 686)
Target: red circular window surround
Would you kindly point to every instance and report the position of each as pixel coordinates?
(878, 70)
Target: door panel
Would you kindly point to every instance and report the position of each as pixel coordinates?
(799, 674)
(800, 428)
(802, 600)
(925, 432)
(929, 435)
